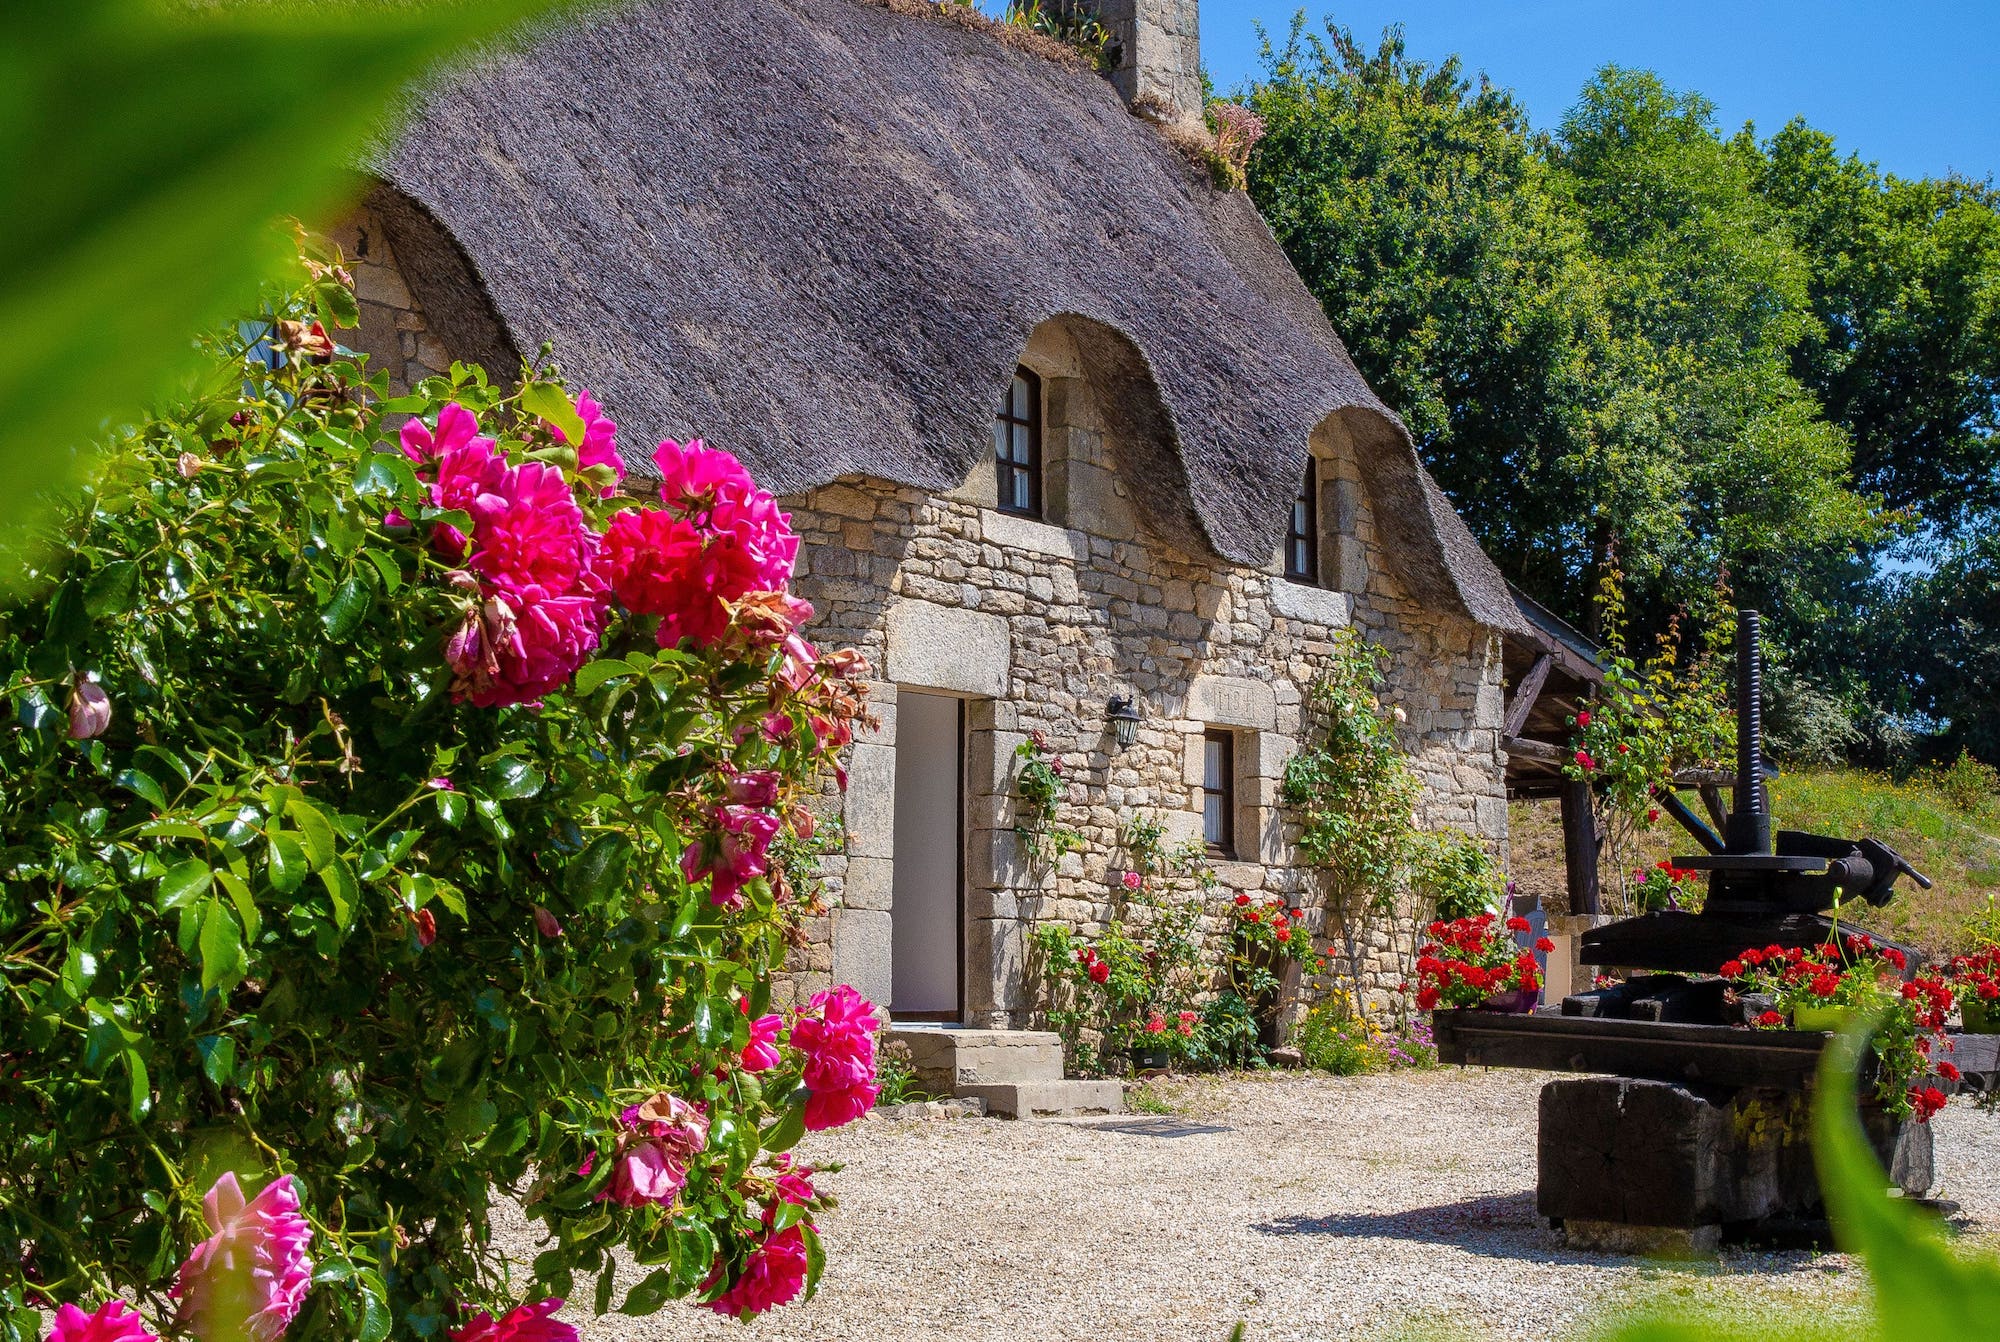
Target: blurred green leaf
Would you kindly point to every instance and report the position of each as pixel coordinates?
(160, 151)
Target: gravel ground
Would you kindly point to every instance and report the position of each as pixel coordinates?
(1376, 1207)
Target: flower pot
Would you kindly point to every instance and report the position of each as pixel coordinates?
(1515, 1001)
(1150, 1058)
(1979, 1016)
(1821, 1017)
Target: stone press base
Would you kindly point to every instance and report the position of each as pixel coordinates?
(1630, 1166)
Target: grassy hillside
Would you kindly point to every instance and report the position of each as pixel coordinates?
(1959, 849)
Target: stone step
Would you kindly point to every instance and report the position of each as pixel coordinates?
(1049, 1099)
(947, 1059)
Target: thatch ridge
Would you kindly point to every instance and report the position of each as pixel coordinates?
(819, 232)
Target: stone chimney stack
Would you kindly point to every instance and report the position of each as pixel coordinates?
(1158, 49)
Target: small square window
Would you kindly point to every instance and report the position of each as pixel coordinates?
(1218, 793)
(1302, 536)
(1017, 446)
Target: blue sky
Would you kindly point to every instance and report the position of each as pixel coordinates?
(1910, 84)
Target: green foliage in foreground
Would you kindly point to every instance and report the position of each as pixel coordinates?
(277, 900)
(152, 154)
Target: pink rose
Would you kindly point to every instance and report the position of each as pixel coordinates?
(114, 1321)
(837, 1036)
(773, 1275)
(525, 1323)
(255, 1260)
(600, 440)
(89, 709)
(456, 427)
(761, 1053)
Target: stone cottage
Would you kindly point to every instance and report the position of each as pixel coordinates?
(1066, 437)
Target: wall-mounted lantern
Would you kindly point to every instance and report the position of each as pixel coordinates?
(1124, 716)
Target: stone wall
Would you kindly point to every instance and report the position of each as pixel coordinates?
(393, 331)
(1038, 623)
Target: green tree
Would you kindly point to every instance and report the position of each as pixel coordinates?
(1905, 354)
(1419, 214)
(1590, 333)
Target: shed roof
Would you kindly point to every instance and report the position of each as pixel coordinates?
(819, 232)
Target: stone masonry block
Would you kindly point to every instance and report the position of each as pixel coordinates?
(1265, 753)
(861, 951)
(946, 648)
(1024, 535)
(1313, 605)
(1232, 701)
(870, 883)
(996, 961)
(871, 802)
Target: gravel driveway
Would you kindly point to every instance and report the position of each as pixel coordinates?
(1309, 1208)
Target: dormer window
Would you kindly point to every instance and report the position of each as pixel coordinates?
(1302, 538)
(1017, 446)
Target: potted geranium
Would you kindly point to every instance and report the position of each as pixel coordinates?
(1664, 886)
(1824, 987)
(1975, 980)
(1476, 963)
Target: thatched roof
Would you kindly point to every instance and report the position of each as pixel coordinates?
(818, 233)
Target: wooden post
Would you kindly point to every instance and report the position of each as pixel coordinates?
(1580, 846)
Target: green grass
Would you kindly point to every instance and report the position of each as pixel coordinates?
(1958, 850)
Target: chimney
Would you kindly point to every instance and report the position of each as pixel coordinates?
(1157, 45)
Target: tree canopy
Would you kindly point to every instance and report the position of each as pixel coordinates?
(1635, 338)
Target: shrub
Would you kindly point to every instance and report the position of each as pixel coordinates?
(1454, 876)
(1968, 785)
(390, 820)
(1331, 1039)
(896, 1075)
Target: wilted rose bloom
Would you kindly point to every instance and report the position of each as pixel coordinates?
(114, 1321)
(517, 647)
(427, 928)
(89, 709)
(761, 1053)
(546, 924)
(733, 855)
(753, 789)
(259, 1250)
(600, 440)
(773, 1275)
(672, 1120)
(801, 659)
(525, 1323)
(646, 1174)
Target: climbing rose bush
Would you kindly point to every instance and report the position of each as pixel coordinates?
(399, 814)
